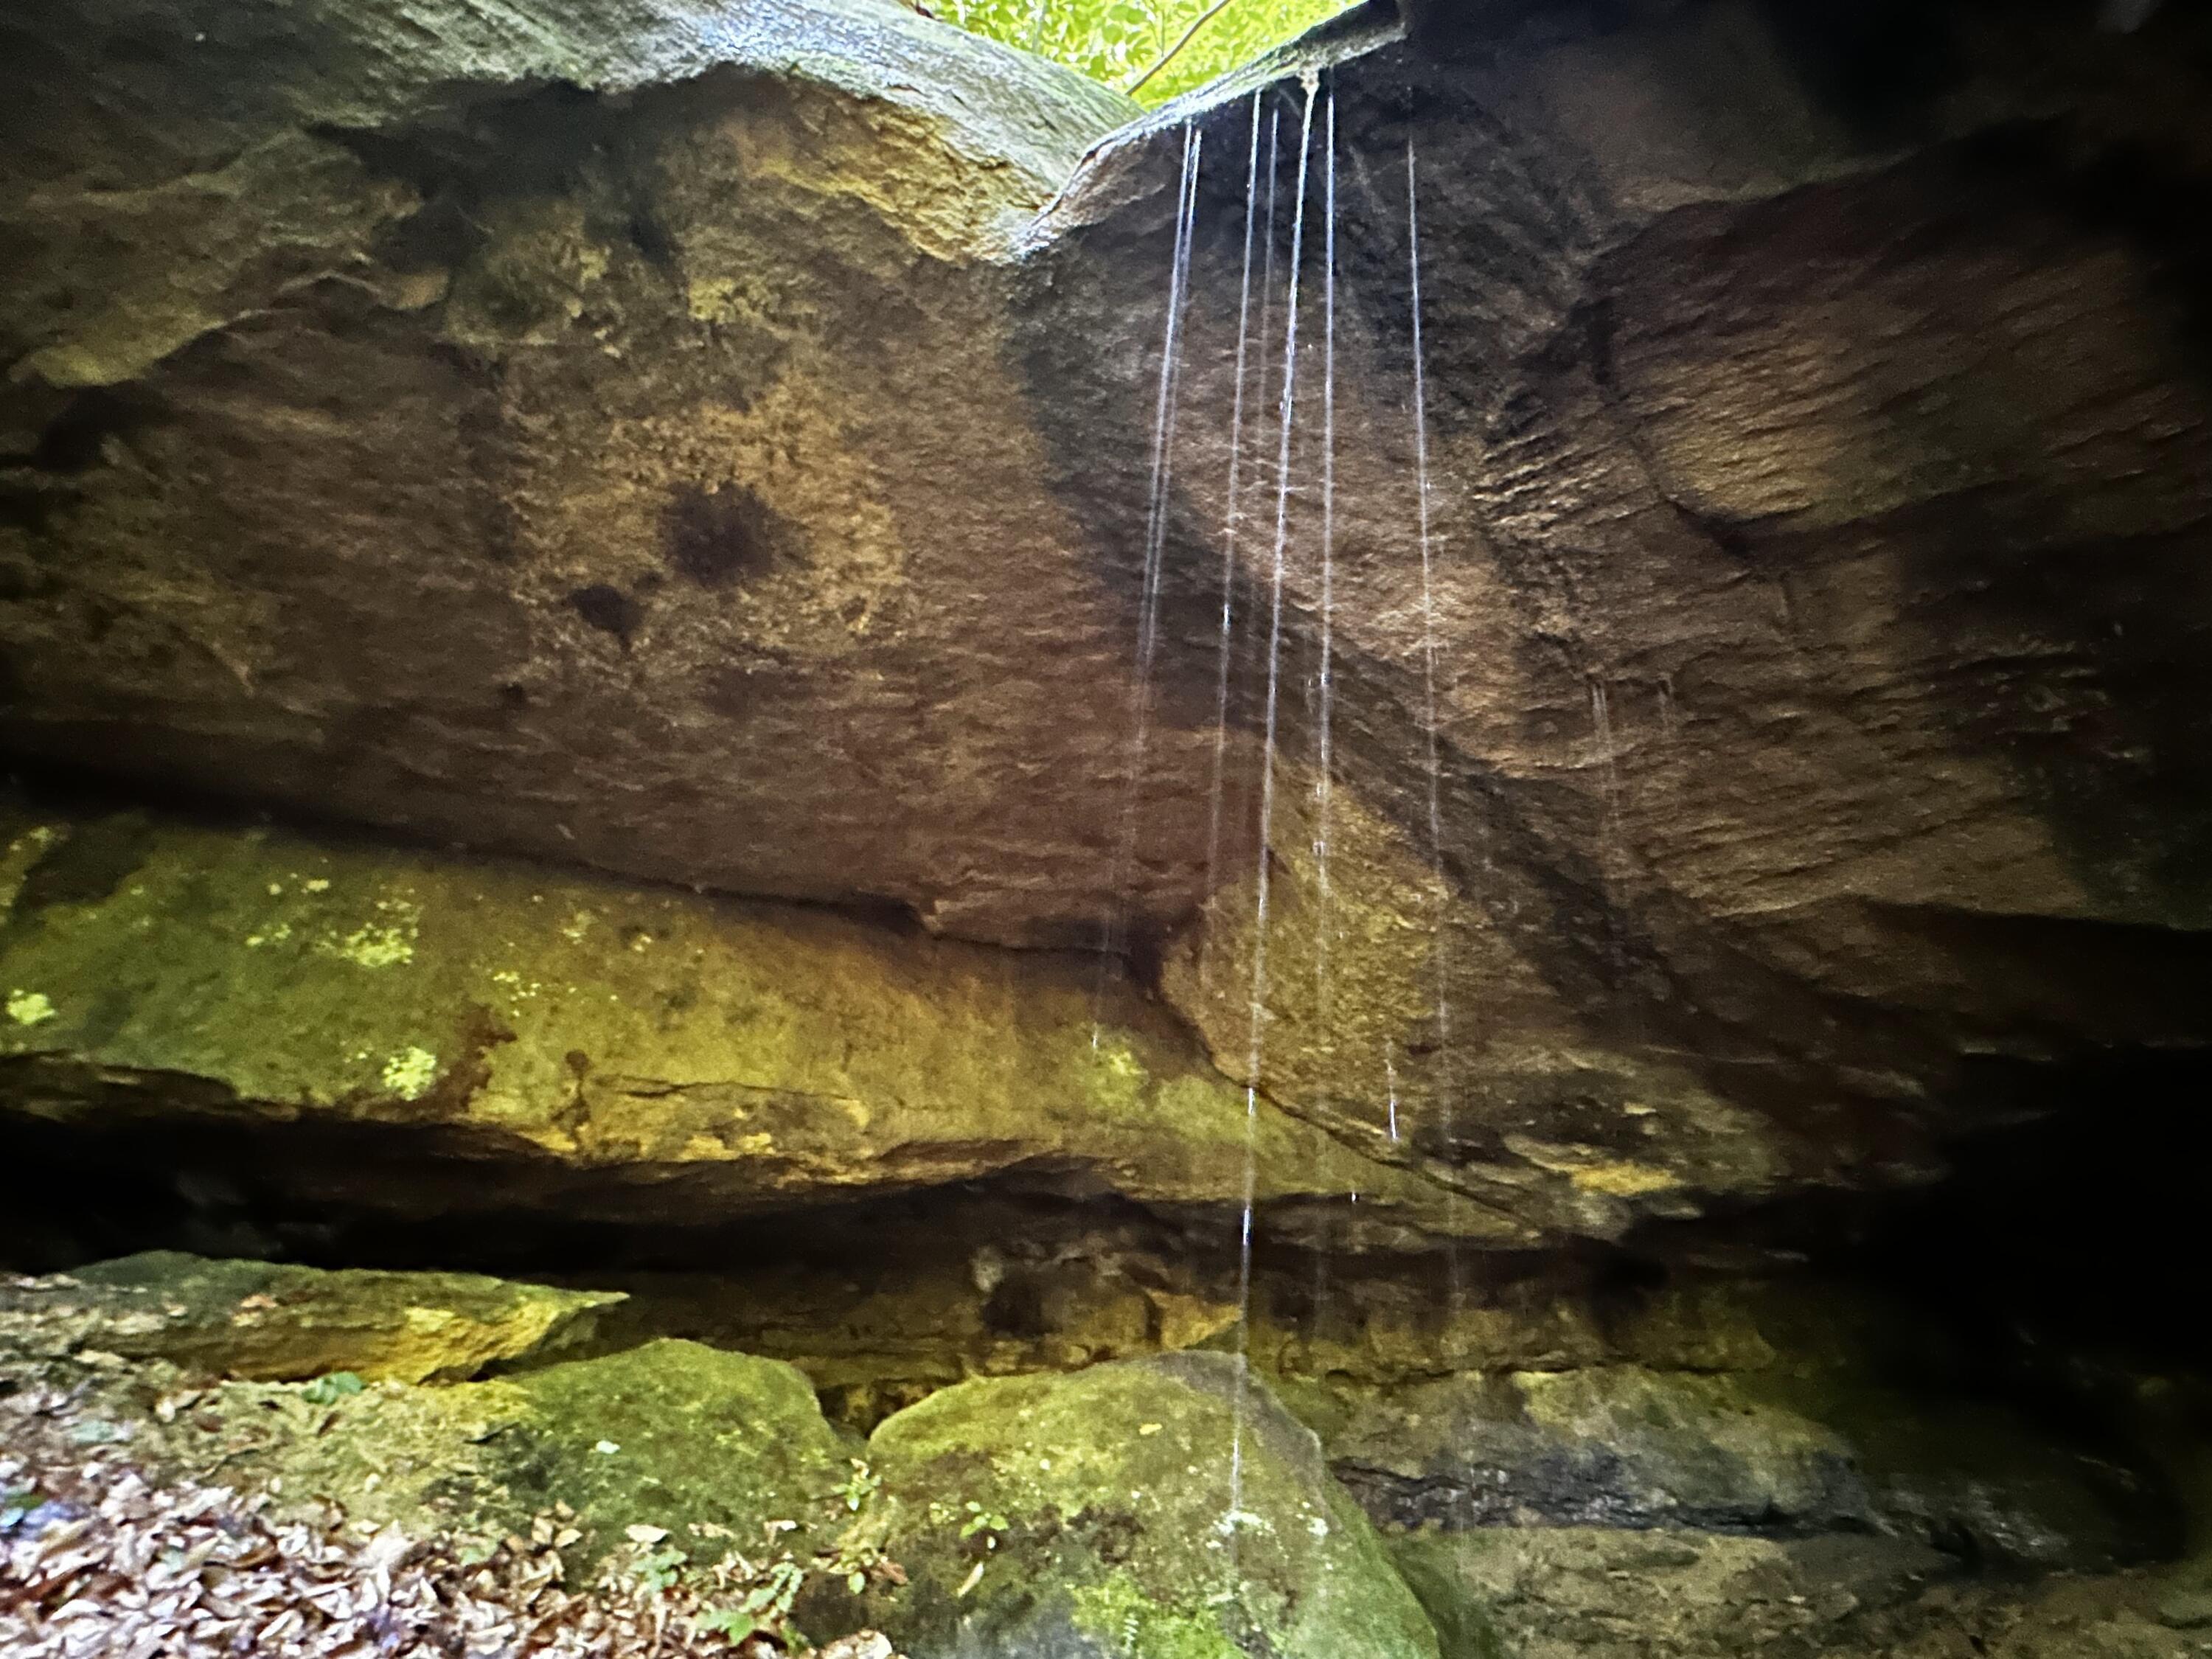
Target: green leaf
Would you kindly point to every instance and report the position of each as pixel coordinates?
(331, 1387)
(1116, 40)
(728, 1623)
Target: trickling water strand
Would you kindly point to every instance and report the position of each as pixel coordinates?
(1163, 419)
(1235, 1518)
(1230, 526)
(1612, 851)
(1156, 519)
(1323, 783)
(1264, 367)
(1428, 573)
(1448, 1108)
(1602, 728)
(1267, 265)
(1390, 1086)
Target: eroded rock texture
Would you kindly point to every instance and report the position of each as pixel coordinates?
(704, 446)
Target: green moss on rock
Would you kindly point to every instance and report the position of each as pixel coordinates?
(679, 1436)
(265, 1321)
(1091, 1514)
(598, 1039)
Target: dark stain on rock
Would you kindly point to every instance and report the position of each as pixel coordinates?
(87, 866)
(479, 1032)
(575, 1112)
(725, 537)
(608, 609)
(650, 238)
(74, 439)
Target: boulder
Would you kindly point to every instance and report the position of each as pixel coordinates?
(1608, 1446)
(1553, 1592)
(1569, 1592)
(263, 1321)
(701, 1443)
(1097, 1513)
(1791, 1452)
(690, 1450)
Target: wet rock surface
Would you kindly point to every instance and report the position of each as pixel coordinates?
(1622, 1447)
(715, 447)
(1613, 1447)
(1553, 1593)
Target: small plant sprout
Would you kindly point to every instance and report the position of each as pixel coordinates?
(860, 1486)
(331, 1387)
(984, 1520)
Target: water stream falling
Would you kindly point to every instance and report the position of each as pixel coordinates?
(1250, 643)
(1116, 930)
(1444, 1085)
(1323, 781)
(1235, 1520)
(1230, 519)
(1428, 599)
(1609, 760)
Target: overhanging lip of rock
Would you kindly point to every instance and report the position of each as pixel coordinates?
(621, 1052)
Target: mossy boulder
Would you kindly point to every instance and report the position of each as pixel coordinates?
(1615, 1445)
(704, 1442)
(1602, 1593)
(263, 1321)
(1092, 1515)
(720, 1450)
(1796, 1450)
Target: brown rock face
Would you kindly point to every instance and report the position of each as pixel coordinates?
(686, 443)
(1816, 507)
(584, 433)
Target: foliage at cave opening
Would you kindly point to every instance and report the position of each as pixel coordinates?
(1117, 41)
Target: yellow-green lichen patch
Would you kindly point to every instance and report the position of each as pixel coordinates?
(387, 941)
(410, 1073)
(30, 1007)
